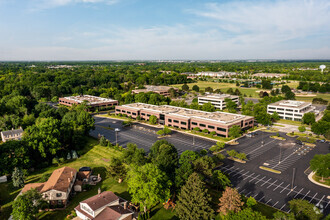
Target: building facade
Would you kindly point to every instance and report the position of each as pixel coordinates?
(187, 119)
(161, 90)
(290, 110)
(93, 102)
(14, 134)
(218, 100)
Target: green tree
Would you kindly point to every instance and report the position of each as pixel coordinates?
(160, 132)
(230, 105)
(27, 205)
(182, 174)
(235, 131)
(220, 180)
(302, 209)
(134, 155)
(247, 109)
(250, 202)
(188, 156)
(195, 88)
(166, 159)
(117, 169)
(148, 185)
(18, 177)
(321, 165)
(209, 89)
(285, 89)
(217, 147)
(194, 201)
(208, 107)
(275, 116)
(141, 97)
(103, 141)
(308, 118)
(173, 93)
(166, 130)
(204, 166)
(44, 136)
(245, 214)
(302, 128)
(283, 216)
(266, 84)
(153, 120)
(185, 87)
(321, 127)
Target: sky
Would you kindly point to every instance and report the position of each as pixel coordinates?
(164, 29)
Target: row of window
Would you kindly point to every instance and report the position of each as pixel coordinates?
(176, 121)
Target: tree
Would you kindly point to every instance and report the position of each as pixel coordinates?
(153, 120)
(188, 156)
(245, 214)
(194, 201)
(302, 128)
(289, 95)
(321, 165)
(27, 205)
(160, 132)
(308, 118)
(285, 89)
(247, 109)
(235, 131)
(166, 159)
(230, 105)
(209, 89)
(230, 201)
(18, 178)
(133, 155)
(217, 147)
(232, 153)
(117, 169)
(275, 116)
(208, 107)
(204, 166)
(185, 87)
(195, 88)
(172, 93)
(321, 127)
(266, 84)
(182, 174)
(103, 141)
(166, 130)
(283, 216)
(148, 185)
(302, 209)
(220, 180)
(250, 202)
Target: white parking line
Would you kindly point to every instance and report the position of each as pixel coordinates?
(233, 171)
(261, 198)
(238, 173)
(291, 191)
(320, 201)
(306, 194)
(272, 184)
(261, 179)
(278, 186)
(248, 194)
(242, 191)
(266, 182)
(268, 201)
(259, 147)
(275, 204)
(245, 173)
(248, 176)
(285, 188)
(254, 178)
(298, 193)
(327, 205)
(313, 197)
(282, 207)
(256, 195)
(238, 187)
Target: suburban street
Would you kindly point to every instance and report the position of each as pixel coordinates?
(269, 188)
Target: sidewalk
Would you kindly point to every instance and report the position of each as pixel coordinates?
(310, 177)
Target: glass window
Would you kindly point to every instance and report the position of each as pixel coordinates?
(183, 123)
(202, 125)
(193, 123)
(176, 121)
(169, 120)
(210, 126)
(221, 129)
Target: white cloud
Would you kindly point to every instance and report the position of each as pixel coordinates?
(47, 4)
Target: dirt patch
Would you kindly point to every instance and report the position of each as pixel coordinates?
(106, 160)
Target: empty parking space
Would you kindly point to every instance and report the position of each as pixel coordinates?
(272, 191)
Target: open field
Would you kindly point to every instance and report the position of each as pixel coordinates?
(251, 91)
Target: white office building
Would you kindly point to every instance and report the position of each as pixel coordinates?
(290, 110)
(218, 100)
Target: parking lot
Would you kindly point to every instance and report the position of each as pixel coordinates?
(144, 136)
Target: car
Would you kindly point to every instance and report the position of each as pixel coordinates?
(322, 141)
(117, 129)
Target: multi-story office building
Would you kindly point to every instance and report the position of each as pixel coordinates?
(92, 102)
(290, 110)
(162, 90)
(218, 100)
(187, 119)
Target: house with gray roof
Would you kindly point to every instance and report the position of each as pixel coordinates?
(12, 134)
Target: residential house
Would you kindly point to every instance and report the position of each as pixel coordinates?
(12, 134)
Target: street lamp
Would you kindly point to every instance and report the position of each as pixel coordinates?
(279, 159)
(294, 169)
(116, 132)
(193, 140)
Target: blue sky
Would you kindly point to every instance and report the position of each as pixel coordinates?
(164, 29)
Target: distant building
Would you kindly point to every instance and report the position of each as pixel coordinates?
(93, 102)
(162, 90)
(187, 119)
(105, 205)
(218, 100)
(12, 135)
(269, 75)
(290, 110)
(216, 74)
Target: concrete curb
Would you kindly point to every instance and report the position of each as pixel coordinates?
(310, 177)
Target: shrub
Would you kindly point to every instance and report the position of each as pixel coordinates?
(302, 128)
(196, 129)
(232, 153)
(205, 131)
(213, 133)
(160, 133)
(217, 147)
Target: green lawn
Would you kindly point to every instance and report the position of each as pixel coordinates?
(289, 122)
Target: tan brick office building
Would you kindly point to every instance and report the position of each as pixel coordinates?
(187, 119)
(93, 102)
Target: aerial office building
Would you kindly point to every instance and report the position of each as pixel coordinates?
(187, 119)
(162, 90)
(218, 100)
(92, 102)
(290, 110)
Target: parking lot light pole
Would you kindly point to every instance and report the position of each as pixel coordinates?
(193, 140)
(279, 159)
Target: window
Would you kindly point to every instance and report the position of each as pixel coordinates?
(148, 115)
(117, 110)
(210, 126)
(134, 113)
(128, 112)
(193, 123)
(143, 114)
(202, 125)
(183, 128)
(58, 194)
(183, 123)
(289, 114)
(124, 111)
(221, 129)
(176, 121)
(176, 126)
(169, 120)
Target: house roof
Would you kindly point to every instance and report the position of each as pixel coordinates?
(109, 214)
(12, 133)
(59, 180)
(100, 200)
(37, 186)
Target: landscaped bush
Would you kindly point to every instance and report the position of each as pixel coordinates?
(217, 147)
(196, 129)
(205, 131)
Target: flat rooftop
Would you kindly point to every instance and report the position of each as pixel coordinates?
(291, 104)
(219, 96)
(149, 88)
(222, 117)
(91, 99)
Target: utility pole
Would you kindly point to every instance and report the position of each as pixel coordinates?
(294, 169)
(193, 140)
(116, 137)
(279, 159)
